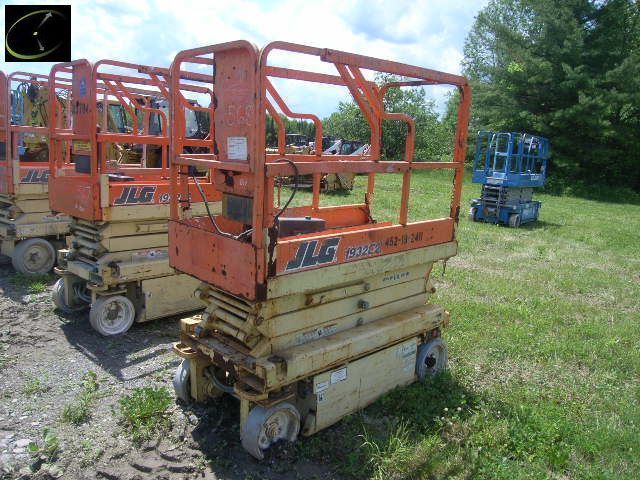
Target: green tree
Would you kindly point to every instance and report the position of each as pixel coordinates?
(567, 70)
(302, 127)
(348, 123)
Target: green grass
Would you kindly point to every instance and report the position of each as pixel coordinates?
(32, 283)
(145, 411)
(79, 411)
(34, 386)
(544, 378)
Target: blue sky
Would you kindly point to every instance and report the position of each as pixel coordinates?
(427, 33)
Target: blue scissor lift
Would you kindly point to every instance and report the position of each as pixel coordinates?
(509, 166)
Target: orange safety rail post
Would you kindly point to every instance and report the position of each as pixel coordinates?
(78, 181)
(180, 193)
(5, 119)
(241, 257)
(14, 170)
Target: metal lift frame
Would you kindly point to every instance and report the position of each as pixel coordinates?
(117, 259)
(288, 315)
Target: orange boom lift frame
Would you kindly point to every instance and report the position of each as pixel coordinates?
(116, 260)
(29, 231)
(312, 311)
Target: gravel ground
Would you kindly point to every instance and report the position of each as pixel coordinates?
(44, 357)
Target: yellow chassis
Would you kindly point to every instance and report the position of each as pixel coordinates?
(363, 322)
(27, 215)
(127, 256)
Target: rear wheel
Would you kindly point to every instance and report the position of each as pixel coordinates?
(112, 315)
(473, 214)
(432, 358)
(182, 382)
(514, 220)
(33, 256)
(58, 297)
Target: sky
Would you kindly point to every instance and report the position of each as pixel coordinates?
(427, 33)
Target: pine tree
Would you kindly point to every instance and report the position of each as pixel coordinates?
(567, 70)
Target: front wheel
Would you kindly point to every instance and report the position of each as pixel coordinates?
(112, 315)
(514, 220)
(266, 426)
(473, 214)
(33, 256)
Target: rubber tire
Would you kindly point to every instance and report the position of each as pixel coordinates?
(514, 220)
(57, 295)
(229, 389)
(21, 249)
(258, 416)
(96, 312)
(426, 350)
(473, 212)
(181, 382)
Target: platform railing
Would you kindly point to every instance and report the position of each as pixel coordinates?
(368, 96)
(240, 77)
(129, 86)
(16, 128)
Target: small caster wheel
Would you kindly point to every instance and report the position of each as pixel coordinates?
(266, 426)
(514, 220)
(431, 359)
(59, 300)
(112, 315)
(33, 256)
(221, 380)
(473, 214)
(182, 382)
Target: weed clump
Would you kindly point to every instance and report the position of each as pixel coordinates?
(146, 411)
(80, 411)
(33, 283)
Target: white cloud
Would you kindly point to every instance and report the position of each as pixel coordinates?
(428, 33)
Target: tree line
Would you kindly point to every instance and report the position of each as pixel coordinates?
(568, 70)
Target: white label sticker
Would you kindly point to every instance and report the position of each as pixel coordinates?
(315, 334)
(406, 350)
(237, 148)
(322, 386)
(339, 375)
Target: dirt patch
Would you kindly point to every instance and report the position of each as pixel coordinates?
(44, 359)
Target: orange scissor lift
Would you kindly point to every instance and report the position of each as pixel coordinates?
(29, 231)
(312, 311)
(103, 176)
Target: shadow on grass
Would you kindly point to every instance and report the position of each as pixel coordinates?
(535, 225)
(593, 192)
(540, 224)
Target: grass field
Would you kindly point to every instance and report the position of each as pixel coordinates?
(544, 345)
